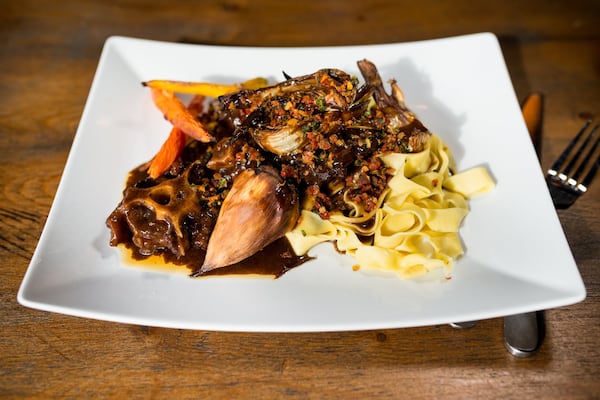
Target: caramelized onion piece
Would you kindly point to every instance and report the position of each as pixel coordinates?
(259, 209)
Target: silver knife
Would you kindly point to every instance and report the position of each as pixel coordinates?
(524, 333)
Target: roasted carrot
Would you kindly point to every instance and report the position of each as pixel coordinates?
(173, 146)
(196, 104)
(170, 150)
(204, 88)
(255, 83)
(174, 111)
(182, 118)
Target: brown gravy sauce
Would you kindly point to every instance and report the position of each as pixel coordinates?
(273, 261)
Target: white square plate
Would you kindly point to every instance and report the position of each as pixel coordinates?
(517, 258)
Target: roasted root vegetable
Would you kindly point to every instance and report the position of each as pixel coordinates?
(169, 151)
(203, 88)
(164, 98)
(177, 113)
(174, 145)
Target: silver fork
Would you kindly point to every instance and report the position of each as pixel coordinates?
(566, 186)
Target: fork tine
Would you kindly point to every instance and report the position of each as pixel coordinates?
(590, 175)
(555, 170)
(573, 180)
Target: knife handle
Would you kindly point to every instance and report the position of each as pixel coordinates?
(532, 109)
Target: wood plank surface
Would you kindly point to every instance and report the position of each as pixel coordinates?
(48, 57)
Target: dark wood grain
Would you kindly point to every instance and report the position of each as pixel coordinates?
(48, 57)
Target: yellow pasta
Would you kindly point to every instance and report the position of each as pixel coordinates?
(415, 228)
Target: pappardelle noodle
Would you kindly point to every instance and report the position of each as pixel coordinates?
(415, 228)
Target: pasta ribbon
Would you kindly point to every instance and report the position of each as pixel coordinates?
(471, 182)
(415, 228)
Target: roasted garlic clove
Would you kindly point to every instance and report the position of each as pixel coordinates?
(280, 141)
(259, 209)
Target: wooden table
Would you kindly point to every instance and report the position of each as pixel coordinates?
(48, 57)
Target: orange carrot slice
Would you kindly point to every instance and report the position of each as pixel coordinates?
(170, 150)
(201, 88)
(175, 112)
(204, 88)
(196, 104)
(174, 145)
(255, 83)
